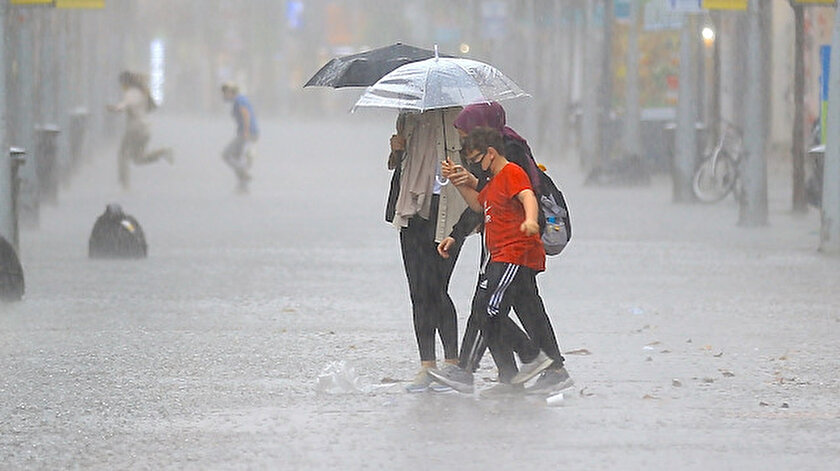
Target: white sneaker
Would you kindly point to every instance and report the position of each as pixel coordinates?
(533, 368)
(421, 382)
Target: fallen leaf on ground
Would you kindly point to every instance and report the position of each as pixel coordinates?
(727, 373)
(665, 351)
(763, 404)
(655, 342)
(708, 380)
(585, 393)
(718, 355)
(785, 405)
(676, 383)
(579, 351)
(648, 396)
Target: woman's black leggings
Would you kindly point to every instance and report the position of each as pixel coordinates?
(428, 284)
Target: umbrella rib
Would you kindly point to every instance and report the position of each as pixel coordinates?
(425, 86)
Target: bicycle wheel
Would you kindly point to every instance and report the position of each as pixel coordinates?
(713, 184)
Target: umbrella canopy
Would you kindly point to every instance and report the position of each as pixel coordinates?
(365, 68)
(439, 83)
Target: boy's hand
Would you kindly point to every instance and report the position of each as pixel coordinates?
(530, 228)
(397, 142)
(457, 174)
(463, 178)
(448, 168)
(444, 245)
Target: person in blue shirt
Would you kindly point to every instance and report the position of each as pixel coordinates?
(239, 152)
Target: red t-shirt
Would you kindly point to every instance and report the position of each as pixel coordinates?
(503, 214)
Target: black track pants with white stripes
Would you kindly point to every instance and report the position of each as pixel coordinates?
(505, 284)
(531, 313)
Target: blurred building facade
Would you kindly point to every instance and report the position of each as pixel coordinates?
(271, 47)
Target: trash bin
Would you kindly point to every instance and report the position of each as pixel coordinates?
(46, 162)
(814, 162)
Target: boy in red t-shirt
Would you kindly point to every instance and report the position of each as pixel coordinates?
(512, 236)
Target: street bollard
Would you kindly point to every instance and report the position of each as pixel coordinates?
(76, 136)
(12, 284)
(46, 162)
(16, 159)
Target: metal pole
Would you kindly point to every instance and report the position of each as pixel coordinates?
(753, 203)
(28, 197)
(798, 141)
(712, 128)
(606, 85)
(830, 233)
(562, 72)
(685, 148)
(632, 124)
(531, 76)
(7, 223)
(62, 84)
(590, 126)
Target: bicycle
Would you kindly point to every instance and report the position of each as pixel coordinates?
(719, 172)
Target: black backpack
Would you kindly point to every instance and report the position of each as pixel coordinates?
(117, 235)
(555, 224)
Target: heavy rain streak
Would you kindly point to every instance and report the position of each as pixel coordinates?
(473, 235)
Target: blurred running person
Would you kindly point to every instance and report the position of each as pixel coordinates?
(239, 152)
(136, 102)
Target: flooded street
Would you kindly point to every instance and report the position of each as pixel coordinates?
(694, 344)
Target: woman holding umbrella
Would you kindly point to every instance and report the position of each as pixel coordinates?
(425, 208)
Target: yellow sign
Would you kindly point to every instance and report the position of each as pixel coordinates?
(80, 3)
(725, 4)
(93, 4)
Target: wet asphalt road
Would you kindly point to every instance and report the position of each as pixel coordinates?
(710, 346)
